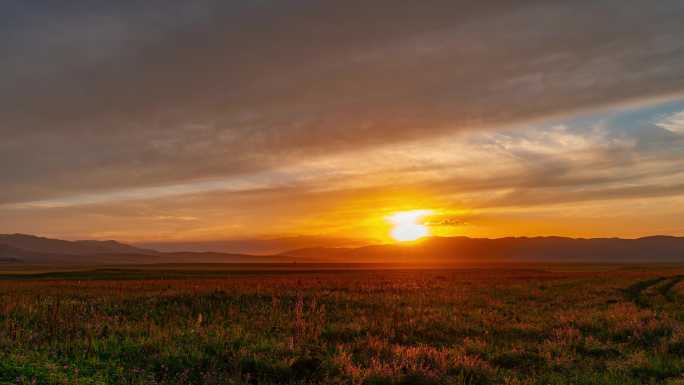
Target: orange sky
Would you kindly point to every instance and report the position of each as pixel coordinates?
(559, 177)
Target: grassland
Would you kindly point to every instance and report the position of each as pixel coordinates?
(429, 326)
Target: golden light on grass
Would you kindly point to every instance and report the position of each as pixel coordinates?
(407, 225)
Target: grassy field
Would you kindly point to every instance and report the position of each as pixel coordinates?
(343, 326)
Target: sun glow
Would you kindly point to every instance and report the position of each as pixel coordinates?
(407, 226)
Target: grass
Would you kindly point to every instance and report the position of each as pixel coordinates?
(486, 326)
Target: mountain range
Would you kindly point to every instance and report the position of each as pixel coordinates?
(656, 249)
(255, 246)
(21, 248)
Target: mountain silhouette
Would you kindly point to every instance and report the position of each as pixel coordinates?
(61, 247)
(255, 246)
(457, 250)
(656, 249)
(15, 248)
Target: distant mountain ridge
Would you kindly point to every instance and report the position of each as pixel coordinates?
(57, 246)
(656, 249)
(255, 246)
(16, 248)
(9, 254)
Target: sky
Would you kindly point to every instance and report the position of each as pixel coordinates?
(178, 121)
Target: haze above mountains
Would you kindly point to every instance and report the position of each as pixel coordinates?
(21, 248)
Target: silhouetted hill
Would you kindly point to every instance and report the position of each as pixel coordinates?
(257, 246)
(657, 249)
(9, 254)
(39, 250)
(323, 253)
(209, 257)
(36, 244)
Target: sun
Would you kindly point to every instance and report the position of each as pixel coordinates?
(407, 227)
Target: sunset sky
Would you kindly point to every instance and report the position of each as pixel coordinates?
(207, 120)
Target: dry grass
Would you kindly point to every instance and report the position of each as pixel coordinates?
(347, 327)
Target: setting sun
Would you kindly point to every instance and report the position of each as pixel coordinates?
(407, 226)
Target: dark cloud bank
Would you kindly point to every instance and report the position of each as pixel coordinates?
(103, 95)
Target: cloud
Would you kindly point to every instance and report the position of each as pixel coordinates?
(445, 221)
(215, 119)
(559, 170)
(673, 122)
(100, 96)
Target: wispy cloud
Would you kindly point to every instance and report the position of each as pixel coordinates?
(673, 122)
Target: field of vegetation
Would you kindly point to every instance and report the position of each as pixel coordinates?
(486, 326)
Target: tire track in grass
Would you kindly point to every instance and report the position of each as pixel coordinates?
(635, 291)
(657, 294)
(666, 289)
